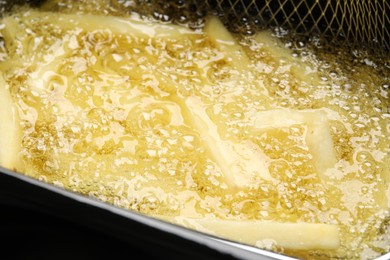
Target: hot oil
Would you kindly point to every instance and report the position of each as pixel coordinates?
(106, 116)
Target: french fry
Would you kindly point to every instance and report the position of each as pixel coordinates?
(225, 42)
(287, 235)
(116, 25)
(318, 137)
(10, 132)
(299, 68)
(241, 163)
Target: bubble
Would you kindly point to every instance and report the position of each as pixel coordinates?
(364, 190)
(180, 3)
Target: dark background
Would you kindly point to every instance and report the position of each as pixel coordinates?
(39, 223)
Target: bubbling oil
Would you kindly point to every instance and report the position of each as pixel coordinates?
(104, 114)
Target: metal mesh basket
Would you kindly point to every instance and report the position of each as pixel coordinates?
(358, 23)
(354, 21)
(361, 23)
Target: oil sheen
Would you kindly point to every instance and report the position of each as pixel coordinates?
(172, 121)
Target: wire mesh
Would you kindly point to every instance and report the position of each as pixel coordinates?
(353, 22)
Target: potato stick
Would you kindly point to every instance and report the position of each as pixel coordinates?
(252, 232)
(224, 41)
(10, 130)
(241, 163)
(275, 47)
(320, 141)
(318, 138)
(10, 33)
(116, 25)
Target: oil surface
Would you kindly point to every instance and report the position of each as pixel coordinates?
(120, 117)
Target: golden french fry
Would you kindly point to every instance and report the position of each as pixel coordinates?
(299, 68)
(10, 132)
(224, 41)
(318, 138)
(286, 235)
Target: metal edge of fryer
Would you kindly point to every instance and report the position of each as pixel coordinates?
(23, 191)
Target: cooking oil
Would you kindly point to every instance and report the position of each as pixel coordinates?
(157, 124)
